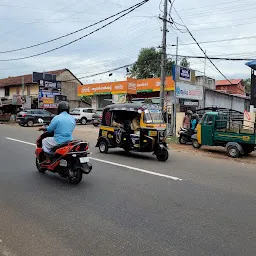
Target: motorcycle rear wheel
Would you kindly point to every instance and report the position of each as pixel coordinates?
(76, 179)
(182, 140)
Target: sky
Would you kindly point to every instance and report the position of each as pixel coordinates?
(28, 22)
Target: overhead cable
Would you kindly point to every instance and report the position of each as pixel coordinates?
(80, 38)
(74, 32)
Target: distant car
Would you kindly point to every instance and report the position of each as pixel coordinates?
(83, 115)
(96, 118)
(29, 117)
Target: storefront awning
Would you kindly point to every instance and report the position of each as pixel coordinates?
(251, 64)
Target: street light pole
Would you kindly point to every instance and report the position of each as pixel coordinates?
(163, 64)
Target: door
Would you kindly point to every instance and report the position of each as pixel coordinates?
(207, 125)
(89, 113)
(36, 114)
(46, 116)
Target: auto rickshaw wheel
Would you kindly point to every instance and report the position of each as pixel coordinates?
(103, 146)
(162, 155)
(233, 151)
(195, 144)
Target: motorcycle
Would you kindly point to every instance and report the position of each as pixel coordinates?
(185, 135)
(70, 160)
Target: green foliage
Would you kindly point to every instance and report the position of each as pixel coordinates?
(87, 99)
(148, 64)
(184, 63)
(247, 84)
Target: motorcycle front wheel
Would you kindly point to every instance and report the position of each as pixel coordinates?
(75, 176)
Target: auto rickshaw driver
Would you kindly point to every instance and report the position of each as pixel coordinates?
(136, 123)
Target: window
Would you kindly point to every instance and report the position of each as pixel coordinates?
(153, 117)
(208, 120)
(44, 112)
(75, 111)
(88, 111)
(6, 91)
(17, 90)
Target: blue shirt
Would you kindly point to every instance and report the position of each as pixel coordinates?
(193, 124)
(63, 126)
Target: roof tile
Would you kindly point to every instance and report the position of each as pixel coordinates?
(17, 80)
(226, 82)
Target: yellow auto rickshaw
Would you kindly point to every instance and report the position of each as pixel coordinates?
(134, 127)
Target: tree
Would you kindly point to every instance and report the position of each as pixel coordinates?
(247, 84)
(148, 64)
(184, 63)
(87, 99)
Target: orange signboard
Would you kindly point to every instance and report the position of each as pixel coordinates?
(131, 86)
(102, 88)
(153, 84)
(48, 100)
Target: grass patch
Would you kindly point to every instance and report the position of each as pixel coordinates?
(172, 139)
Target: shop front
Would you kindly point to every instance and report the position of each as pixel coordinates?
(124, 91)
(189, 96)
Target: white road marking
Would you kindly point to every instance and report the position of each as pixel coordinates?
(21, 141)
(136, 169)
(113, 163)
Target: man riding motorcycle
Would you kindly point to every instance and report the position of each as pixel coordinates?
(62, 125)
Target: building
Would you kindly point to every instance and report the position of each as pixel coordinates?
(12, 86)
(206, 81)
(237, 87)
(215, 98)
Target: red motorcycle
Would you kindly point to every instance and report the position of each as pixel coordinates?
(70, 160)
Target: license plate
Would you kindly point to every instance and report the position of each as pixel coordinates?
(63, 163)
(152, 133)
(84, 160)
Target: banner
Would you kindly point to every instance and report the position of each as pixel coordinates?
(131, 86)
(46, 99)
(52, 85)
(189, 91)
(125, 87)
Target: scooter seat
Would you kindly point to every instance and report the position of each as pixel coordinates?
(60, 146)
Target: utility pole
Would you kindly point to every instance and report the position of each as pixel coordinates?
(175, 82)
(163, 65)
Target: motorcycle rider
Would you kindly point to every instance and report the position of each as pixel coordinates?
(187, 119)
(62, 125)
(193, 123)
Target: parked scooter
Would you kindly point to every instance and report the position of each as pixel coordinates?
(185, 135)
(70, 160)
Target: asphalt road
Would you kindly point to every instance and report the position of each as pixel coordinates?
(129, 205)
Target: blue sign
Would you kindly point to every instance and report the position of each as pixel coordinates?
(185, 74)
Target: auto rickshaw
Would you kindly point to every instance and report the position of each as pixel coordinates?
(218, 129)
(117, 129)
